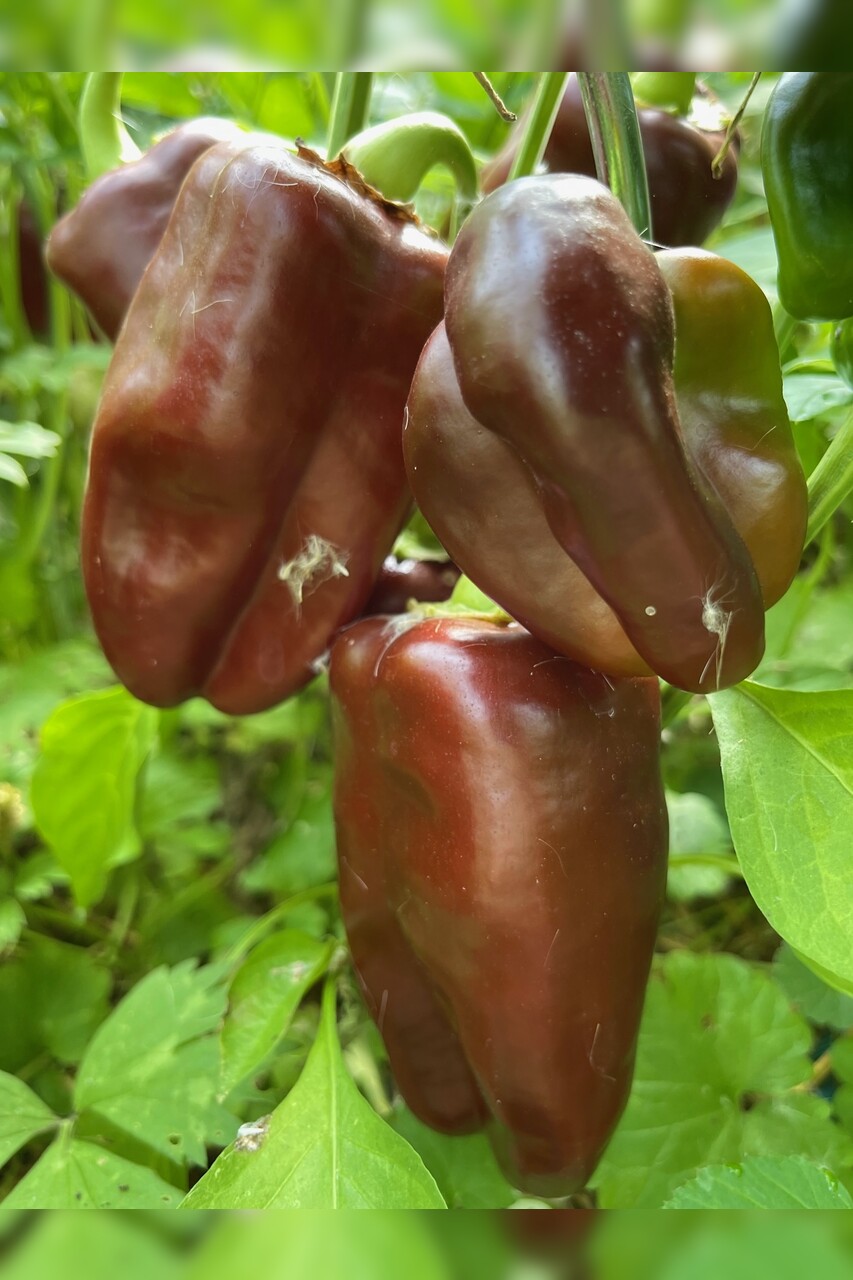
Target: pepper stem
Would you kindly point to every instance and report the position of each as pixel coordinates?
(350, 103)
(618, 148)
(546, 101)
(104, 141)
(831, 481)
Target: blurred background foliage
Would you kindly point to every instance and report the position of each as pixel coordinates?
(389, 35)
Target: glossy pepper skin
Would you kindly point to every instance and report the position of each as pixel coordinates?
(246, 477)
(32, 280)
(401, 581)
(101, 248)
(728, 388)
(560, 329)
(807, 164)
(687, 201)
(502, 844)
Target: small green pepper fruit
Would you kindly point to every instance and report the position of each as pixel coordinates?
(807, 162)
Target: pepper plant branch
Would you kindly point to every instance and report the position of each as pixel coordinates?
(494, 97)
(618, 148)
(350, 103)
(104, 141)
(832, 480)
(546, 101)
(717, 162)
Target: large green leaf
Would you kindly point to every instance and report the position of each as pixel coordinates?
(323, 1148)
(22, 1115)
(325, 1244)
(814, 999)
(788, 772)
(465, 1168)
(52, 997)
(721, 1062)
(80, 1175)
(759, 1182)
(83, 790)
(152, 1068)
(264, 996)
(103, 1245)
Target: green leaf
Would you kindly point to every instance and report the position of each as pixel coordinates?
(754, 252)
(326, 1245)
(152, 1068)
(304, 854)
(263, 997)
(13, 472)
(52, 997)
(464, 1168)
(12, 921)
(699, 846)
(787, 763)
(786, 1246)
(789, 1182)
(323, 1148)
(719, 1054)
(821, 1004)
(108, 1245)
(842, 1068)
(28, 440)
(83, 789)
(80, 1175)
(22, 1115)
(30, 690)
(808, 395)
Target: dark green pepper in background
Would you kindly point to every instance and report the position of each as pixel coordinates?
(807, 162)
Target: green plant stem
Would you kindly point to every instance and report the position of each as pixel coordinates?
(673, 703)
(784, 325)
(537, 130)
(719, 861)
(41, 511)
(350, 104)
(832, 480)
(104, 141)
(618, 148)
(236, 952)
(811, 581)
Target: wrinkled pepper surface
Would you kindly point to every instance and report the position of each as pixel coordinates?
(807, 164)
(687, 201)
(101, 248)
(559, 330)
(246, 477)
(502, 843)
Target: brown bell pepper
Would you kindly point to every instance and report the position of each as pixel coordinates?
(502, 842)
(728, 390)
(101, 248)
(246, 477)
(560, 327)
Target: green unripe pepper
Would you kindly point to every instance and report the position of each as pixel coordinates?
(807, 162)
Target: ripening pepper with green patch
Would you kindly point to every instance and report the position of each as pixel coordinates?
(734, 424)
(246, 477)
(544, 444)
(502, 847)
